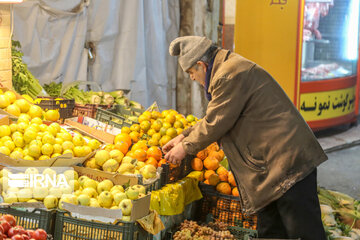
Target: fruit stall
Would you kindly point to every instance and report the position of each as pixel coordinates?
(80, 163)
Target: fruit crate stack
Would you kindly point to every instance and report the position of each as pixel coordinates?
(70, 228)
(224, 208)
(88, 110)
(64, 106)
(117, 116)
(32, 219)
(172, 173)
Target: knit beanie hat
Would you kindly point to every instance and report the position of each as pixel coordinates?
(189, 49)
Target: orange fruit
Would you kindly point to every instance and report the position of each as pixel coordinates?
(156, 125)
(161, 162)
(152, 161)
(155, 114)
(202, 154)
(139, 145)
(214, 179)
(197, 164)
(213, 147)
(235, 192)
(144, 117)
(211, 163)
(216, 155)
(123, 137)
(145, 125)
(231, 179)
(222, 171)
(207, 182)
(208, 173)
(223, 177)
(224, 188)
(154, 152)
(122, 146)
(170, 118)
(125, 130)
(134, 136)
(164, 140)
(135, 128)
(140, 155)
(130, 154)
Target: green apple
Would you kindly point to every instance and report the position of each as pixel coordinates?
(140, 165)
(126, 168)
(39, 193)
(148, 171)
(83, 200)
(118, 197)
(117, 155)
(50, 172)
(71, 175)
(125, 218)
(32, 200)
(94, 202)
(132, 193)
(50, 201)
(140, 188)
(66, 189)
(55, 191)
(12, 190)
(105, 199)
(110, 165)
(10, 198)
(105, 185)
(90, 183)
(31, 171)
(74, 184)
(4, 172)
(90, 192)
(117, 188)
(82, 180)
(126, 207)
(24, 194)
(69, 198)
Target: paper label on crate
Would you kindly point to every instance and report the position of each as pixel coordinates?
(93, 123)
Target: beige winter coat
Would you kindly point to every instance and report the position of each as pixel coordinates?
(268, 144)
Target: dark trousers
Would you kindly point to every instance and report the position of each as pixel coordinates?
(295, 215)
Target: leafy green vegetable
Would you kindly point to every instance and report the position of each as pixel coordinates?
(23, 81)
(53, 89)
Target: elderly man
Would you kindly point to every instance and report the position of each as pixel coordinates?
(272, 152)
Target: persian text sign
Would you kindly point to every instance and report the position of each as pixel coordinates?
(326, 105)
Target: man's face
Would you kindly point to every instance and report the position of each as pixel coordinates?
(198, 72)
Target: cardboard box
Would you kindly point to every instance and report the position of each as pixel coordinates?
(92, 132)
(99, 175)
(141, 207)
(4, 119)
(65, 160)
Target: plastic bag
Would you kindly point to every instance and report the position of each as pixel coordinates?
(152, 223)
(172, 198)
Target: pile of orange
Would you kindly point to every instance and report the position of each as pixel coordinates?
(208, 162)
(138, 150)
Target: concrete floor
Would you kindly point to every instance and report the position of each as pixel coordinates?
(342, 171)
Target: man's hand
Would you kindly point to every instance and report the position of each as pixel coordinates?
(167, 147)
(176, 154)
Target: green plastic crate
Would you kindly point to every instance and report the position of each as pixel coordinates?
(32, 219)
(70, 228)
